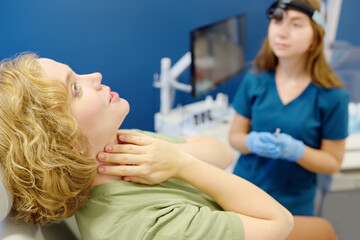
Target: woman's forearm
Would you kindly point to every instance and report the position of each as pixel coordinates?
(238, 141)
(235, 194)
(231, 192)
(319, 161)
(210, 150)
(326, 160)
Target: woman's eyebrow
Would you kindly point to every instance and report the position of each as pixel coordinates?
(301, 18)
(298, 18)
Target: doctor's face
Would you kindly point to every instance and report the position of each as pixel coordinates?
(291, 36)
(98, 111)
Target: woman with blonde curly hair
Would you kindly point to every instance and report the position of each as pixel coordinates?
(39, 137)
(54, 122)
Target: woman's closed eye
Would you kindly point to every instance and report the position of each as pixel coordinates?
(75, 88)
(297, 24)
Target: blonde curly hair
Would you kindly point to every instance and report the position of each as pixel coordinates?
(39, 144)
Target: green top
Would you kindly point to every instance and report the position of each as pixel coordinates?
(170, 210)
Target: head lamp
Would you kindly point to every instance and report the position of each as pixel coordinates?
(276, 10)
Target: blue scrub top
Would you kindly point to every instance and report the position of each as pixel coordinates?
(317, 113)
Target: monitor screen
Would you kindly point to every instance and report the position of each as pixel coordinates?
(217, 54)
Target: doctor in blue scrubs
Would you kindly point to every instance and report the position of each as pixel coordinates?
(291, 109)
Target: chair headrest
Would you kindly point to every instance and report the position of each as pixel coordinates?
(6, 198)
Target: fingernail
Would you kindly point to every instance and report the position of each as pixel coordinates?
(108, 148)
(101, 156)
(122, 137)
(101, 169)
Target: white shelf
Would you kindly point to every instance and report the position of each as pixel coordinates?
(352, 154)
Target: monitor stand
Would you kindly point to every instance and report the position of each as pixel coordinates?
(192, 118)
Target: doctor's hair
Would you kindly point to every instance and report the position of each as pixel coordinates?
(39, 144)
(316, 64)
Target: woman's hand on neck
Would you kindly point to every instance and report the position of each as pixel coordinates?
(99, 146)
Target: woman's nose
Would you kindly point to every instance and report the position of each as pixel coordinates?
(284, 30)
(97, 80)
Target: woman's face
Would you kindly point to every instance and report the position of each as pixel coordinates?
(98, 111)
(291, 36)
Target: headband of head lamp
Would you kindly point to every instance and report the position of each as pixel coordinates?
(276, 10)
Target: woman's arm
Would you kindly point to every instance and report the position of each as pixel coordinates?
(209, 149)
(312, 228)
(262, 216)
(239, 130)
(206, 148)
(150, 161)
(325, 160)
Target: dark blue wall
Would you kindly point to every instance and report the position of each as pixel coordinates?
(125, 39)
(348, 28)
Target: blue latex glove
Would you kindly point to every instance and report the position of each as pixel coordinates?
(291, 149)
(263, 144)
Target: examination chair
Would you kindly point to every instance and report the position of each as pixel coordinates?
(9, 230)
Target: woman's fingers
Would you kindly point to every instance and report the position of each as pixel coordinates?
(129, 173)
(126, 136)
(124, 159)
(118, 170)
(124, 148)
(140, 158)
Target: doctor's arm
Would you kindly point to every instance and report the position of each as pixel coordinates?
(326, 160)
(238, 133)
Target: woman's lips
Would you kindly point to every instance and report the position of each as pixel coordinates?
(114, 97)
(281, 46)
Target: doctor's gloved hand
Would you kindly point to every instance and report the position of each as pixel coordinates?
(263, 144)
(291, 149)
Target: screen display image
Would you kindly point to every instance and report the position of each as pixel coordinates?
(217, 53)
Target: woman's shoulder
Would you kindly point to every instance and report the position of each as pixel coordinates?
(332, 97)
(263, 75)
(255, 78)
(333, 93)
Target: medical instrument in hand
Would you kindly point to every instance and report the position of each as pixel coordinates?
(263, 144)
(291, 149)
(277, 131)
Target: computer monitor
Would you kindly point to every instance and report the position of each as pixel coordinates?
(217, 54)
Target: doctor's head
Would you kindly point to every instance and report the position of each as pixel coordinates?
(50, 120)
(296, 29)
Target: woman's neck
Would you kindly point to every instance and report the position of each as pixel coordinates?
(291, 80)
(292, 69)
(99, 146)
